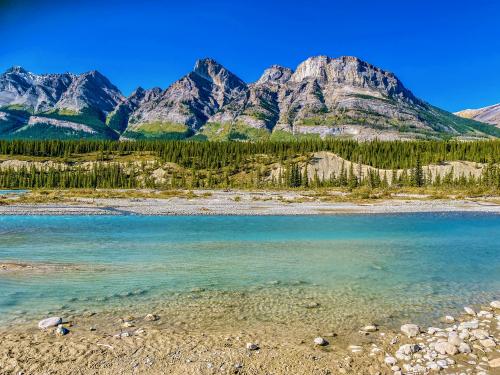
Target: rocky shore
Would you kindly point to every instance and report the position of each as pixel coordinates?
(248, 203)
(150, 343)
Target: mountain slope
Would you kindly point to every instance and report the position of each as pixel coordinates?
(342, 97)
(187, 104)
(56, 105)
(490, 115)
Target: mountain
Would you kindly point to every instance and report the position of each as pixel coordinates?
(56, 105)
(342, 97)
(490, 115)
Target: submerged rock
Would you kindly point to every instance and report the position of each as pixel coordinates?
(49, 322)
(151, 318)
(370, 328)
(469, 311)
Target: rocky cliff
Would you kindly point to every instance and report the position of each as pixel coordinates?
(324, 96)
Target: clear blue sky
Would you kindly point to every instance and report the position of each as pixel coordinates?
(446, 52)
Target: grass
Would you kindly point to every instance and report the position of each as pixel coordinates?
(159, 130)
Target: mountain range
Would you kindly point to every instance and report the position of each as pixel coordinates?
(489, 115)
(341, 97)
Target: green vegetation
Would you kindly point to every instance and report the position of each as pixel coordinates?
(269, 164)
(232, 132)
(159, 130)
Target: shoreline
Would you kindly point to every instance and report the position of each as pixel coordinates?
(247, 203)
(136, 341)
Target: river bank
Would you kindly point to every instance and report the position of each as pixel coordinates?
(218, 202)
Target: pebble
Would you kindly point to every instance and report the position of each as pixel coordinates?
(61, 330)
(464, 348)
(445, 348)
(495, 305)
(469, 311)
(252, 346)
(494, 363)
(410, 330)
(449, 319)
(370, 328)
(390, 361)
(151, 318)
(320, 341)
(488, 343)
(480, 334)
(49, 322)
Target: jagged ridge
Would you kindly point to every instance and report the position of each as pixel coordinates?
(324, 96)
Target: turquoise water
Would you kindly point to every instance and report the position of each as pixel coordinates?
(410, 262)
(15, 192)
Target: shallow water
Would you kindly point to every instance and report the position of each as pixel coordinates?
(13, 192)
(357, 267)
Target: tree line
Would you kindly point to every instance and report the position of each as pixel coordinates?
(214, 155)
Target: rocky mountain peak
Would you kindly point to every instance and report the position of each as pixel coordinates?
(217, 74)
(312, 68)
(17, 69)
(276, 74)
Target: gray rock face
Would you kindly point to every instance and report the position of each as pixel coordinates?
(324, 96)
(57, 91)
(490, 115)
(194, 98)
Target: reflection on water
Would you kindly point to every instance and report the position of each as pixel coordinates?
(356, 267)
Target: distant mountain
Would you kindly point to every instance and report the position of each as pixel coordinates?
(490, 115)
(340, 97)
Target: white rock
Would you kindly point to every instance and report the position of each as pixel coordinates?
(454, 339)
(480, 334)
(409, 349)
(488, 343)
(370, 328)
(433, 330)
(485, 314)
(473, 324)
(410, 330)
(495, 304)
(469, 311)
(151, 317)
(442, 363)
(61, 330)
(252, 346)
(390, 361)
(449, 319)
(445, 348)
(464, 348)
(49, 322)
(494, 363)
(320, 341)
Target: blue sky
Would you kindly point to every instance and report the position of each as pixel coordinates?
(446, 52)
